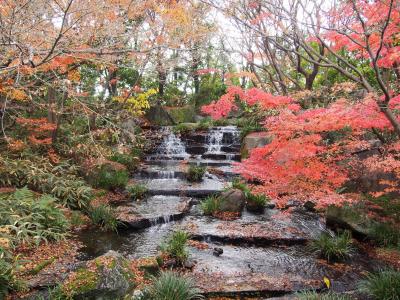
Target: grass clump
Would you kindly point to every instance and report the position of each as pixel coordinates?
(196, 173)
(137, 191)
(256, 203)
(210, 205)
(175, 247)
(333, 247)
(184, 128)
(171, 286)
(240, 185)
(111, 179)
(385, 234)
(312, 295)
(384, 285)
(104, 216)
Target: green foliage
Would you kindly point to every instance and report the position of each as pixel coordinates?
(105, 216)
(333, 248)
(127, 160)
(384, 285)
(111, 179)
(256, 202)
(240, 185)
(385, 234)
(195, 173)
(210, 205)
(29, 218)
(171, 286)
(312, 295)
(185, 114)
(6, 277)
(137, 191)
(175, 246)
(39, 174)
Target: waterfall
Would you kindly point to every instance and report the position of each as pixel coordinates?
(171, 146)
(221, 136)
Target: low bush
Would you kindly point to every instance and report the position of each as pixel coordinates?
(385, 234)
(128, 160)
(240, 185)
(210, 205)
(111, 179)
(137, 191)
(184, 128)
(175, 247)
(384, 285)
(40, 175)
(171, 286)
(27, 218)
(333, 247)
(104, 215)
(196, 173)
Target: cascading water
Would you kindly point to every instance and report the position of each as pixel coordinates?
(172, 146)
(219, 137)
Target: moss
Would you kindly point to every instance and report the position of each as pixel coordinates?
(184, 114)
(81, 281)
(41, 266)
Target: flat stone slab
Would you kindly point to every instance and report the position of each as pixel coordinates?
(272, 227)
(271, 271)
(153, 210)
(180, 187)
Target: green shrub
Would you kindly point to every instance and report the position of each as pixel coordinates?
(385, 234)
(104, 215)
(333, 248)
(384, 285)
(171, 286)
(39, 174)
(312, 295)
(256, 203)
(210, 205)
(137, 191)
(196, 173)
(29, 218)
(111, 179)
(175, 246)
(8, 279)
(127, 160)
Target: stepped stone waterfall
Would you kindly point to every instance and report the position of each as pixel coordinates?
(263, 254)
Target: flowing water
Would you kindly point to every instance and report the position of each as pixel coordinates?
(262, 253)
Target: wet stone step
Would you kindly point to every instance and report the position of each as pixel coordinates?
(222, 156)
(272, 271)
(153, 210)
(179, 187)
(274, 227)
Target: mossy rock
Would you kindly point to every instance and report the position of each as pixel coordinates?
(107, 277)
(184, 114)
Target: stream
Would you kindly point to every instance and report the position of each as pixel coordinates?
(263, 254)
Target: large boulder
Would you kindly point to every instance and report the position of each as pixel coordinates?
(255, 140)
(157, 115)
(338, 217)
(232, 201)
(107, 277)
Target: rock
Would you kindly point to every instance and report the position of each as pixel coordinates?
(218, 251)
(255, 140)
(189, 264)
(157, 115)
(232, 201)
(337, 217)
(107, 277)
(309, 206)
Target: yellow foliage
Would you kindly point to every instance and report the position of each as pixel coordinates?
(16, 94)
(137, 105)
(74, 76)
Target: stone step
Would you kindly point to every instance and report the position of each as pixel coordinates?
(222, 156)
(152, 211)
